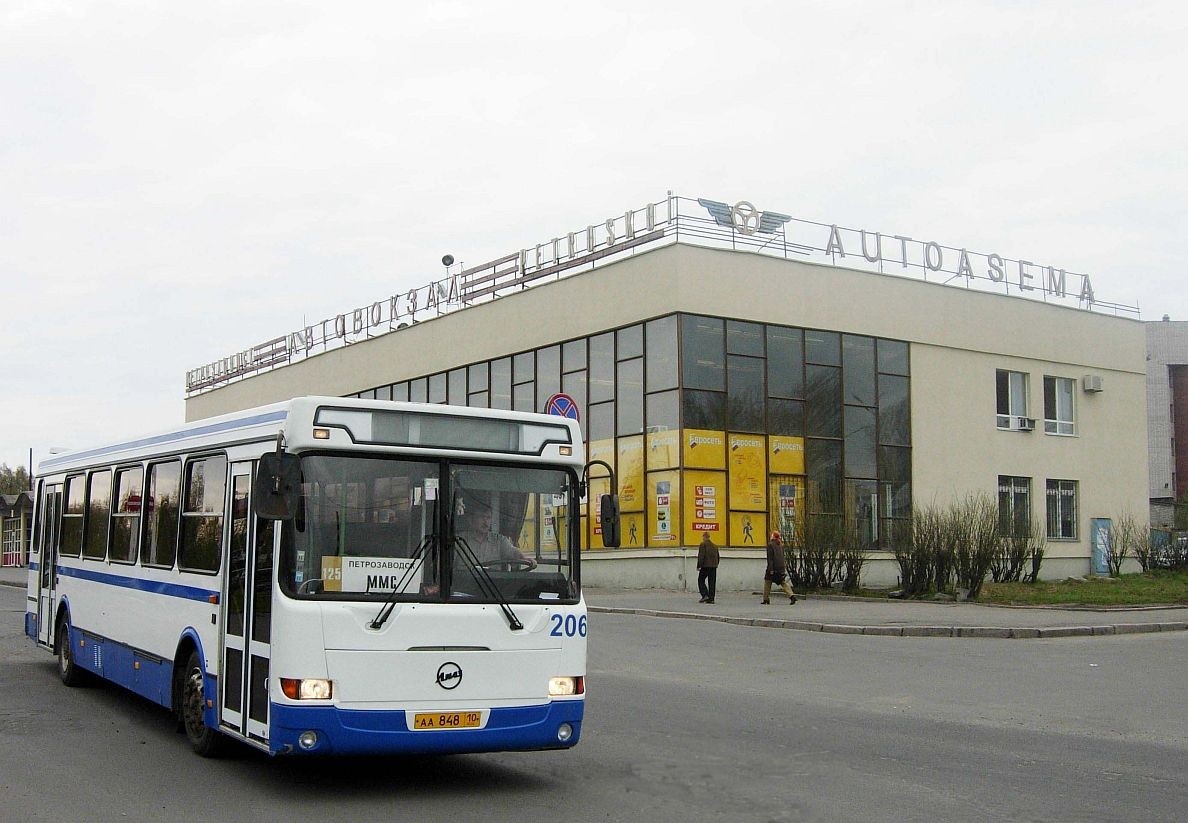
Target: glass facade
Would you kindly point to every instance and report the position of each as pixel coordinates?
(718, 425)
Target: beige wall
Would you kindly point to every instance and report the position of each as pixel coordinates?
(958, 449)
(958, 339)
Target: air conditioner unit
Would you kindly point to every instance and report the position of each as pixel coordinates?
(1025, 424)
(1091, 383)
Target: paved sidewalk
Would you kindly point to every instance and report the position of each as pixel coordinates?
(842, 615)
(10, 576)
(895, 618)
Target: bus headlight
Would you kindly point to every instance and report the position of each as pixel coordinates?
(310, 689)
(566, 686)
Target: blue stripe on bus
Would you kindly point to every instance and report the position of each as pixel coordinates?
(212, 428)
(140, 584)
(352, 731)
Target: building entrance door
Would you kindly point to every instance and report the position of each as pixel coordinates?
(785, 501)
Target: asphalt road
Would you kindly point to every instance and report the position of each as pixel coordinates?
(686, 721)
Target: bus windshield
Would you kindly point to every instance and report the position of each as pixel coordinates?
(378, 528)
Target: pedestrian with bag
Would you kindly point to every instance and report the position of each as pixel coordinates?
(777, 570)
(707, 569)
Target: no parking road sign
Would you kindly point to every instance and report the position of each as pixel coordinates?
(562, 405)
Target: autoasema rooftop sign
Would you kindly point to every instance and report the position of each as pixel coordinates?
(740, 226)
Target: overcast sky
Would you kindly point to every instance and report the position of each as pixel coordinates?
(181, 181)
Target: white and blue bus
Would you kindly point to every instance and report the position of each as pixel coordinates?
(327, 576)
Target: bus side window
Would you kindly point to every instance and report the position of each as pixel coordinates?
(161, 514)
(202, 514)
(72, 516)
(98, 514)
(127, 502)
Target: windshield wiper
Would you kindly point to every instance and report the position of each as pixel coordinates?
(390, 603)
(487, 584)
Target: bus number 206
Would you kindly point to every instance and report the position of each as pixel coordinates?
(568, 625)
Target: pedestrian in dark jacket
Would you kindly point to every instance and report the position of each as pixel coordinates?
(777, 570)
(707, 569)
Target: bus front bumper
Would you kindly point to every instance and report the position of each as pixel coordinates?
(555, 725)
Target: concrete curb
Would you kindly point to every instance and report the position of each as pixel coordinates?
(999, 632)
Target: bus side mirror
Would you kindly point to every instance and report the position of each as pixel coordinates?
(277, 487)
(608, 515)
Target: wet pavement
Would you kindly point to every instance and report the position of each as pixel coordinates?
(849, 615)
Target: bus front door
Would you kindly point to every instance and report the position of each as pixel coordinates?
(47, 561)
(247, 616)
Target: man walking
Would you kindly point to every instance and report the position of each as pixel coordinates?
(707, 569)
(777, 570)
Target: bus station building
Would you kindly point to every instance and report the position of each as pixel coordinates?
(742, 369)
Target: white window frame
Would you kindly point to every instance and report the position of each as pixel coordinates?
(1058, 495)
(1060, 417)
(1014, 415)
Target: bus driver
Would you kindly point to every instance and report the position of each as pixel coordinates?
(489, 546)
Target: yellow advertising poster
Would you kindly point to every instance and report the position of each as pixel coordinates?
(528, 528)
(704, 449)
(632, 530)
(598, 487)
(552, 517)
(748, 472)
(631, 474)
(748, 529)
(664, 506)
(601, 450)
(664, 449)
(785, 455)
(705, 505)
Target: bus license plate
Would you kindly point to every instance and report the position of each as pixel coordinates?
(446, 720)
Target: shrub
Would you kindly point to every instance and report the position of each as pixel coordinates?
(915, 552)
(1038, 542)
(852, 557)
(1123, 539)
(974, 534)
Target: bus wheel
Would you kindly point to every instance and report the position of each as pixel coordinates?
(203, 739)
(70, 673)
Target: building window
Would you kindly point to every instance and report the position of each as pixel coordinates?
(1062, 509)
(602, 368)
(1012, 399)
(661, 364)
(1014, 506)
(703, 353)
(501, 383)
(573, 356)
(630, 397)
(746, 395)
(858, 365)
(456, 387)
(1058, 405)
(785, 362)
